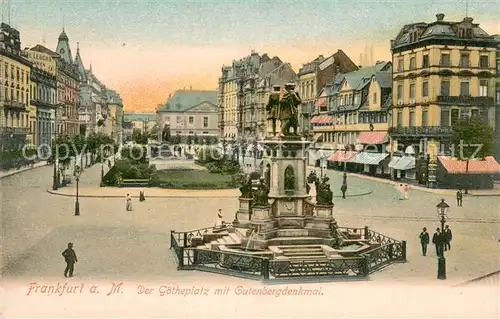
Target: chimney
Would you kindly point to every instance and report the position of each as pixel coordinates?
(440, 16)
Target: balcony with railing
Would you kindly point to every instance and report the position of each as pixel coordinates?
(14, 105)
(466, 100)
(14, 130)
(421, 131)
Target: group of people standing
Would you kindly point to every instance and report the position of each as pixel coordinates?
(403, 191)
(440, 239)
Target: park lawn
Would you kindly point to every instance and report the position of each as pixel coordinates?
(193, 179)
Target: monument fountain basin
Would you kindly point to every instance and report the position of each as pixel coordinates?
(354, 247)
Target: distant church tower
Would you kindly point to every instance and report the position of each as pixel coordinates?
(79, 65)
(63, 48)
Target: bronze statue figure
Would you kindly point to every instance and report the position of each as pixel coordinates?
(288, 110)
(246, 188)
(261, 196)
(324, 195)
(273, 106)
(289, 179)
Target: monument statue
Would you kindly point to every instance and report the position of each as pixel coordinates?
(246, 187)
(324, 195)
(273, 106)
(261, 196)
(288, 110)
(289, 178)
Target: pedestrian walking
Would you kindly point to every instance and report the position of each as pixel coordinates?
(70, 259)
(437, 240)
(343, 189)
(219, 223)
(406, 190)
(128, 203)
(400, 191)
(141, 196)
(459, 198)
(424, 241)
(447, 237)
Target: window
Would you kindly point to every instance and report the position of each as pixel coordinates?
(464, 60)
(191, 120)
(412, 90)
(483, 87)
(411, 120)
(425, 88)
(400, 91)
(425, 61)
(401, 64)
(399, 119)
(425, 118)
(464, 88)
(445, 88)
(413, 63)
(204, 132)
(375, 98)
(445, 59)
(445, 118)
(474, 113)
(455, 115)
(205, 121)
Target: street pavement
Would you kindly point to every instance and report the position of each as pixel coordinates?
(115, 245)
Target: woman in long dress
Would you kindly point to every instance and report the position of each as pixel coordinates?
(129, 203)
(312, 192)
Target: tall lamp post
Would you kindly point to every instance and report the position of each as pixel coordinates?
(442, 210)
(344, 176)
(77, 173)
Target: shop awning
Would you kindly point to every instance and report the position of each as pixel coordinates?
(369, 158)
(405, 163)
(324, 153)
(320, 102)
(487, 166)
(342, 156)
(394, 160)
(322, 120)
(315, 119)
(373, 137)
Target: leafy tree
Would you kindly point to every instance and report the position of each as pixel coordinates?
(190, 139)
(472, 138)
(196, 140)
(176, 139)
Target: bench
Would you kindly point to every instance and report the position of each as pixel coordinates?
(135, 183)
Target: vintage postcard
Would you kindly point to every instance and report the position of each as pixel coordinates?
(250, 159)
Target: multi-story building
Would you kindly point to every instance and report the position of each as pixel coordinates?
(443, 71)
(115, 107)
(359, 103)
(15, 74)
(43, 93)
(496, 151)
(190, 113)
(314, 76)
(67, 118)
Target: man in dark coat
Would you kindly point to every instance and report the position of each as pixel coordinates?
(70, 258)
(459, 198)
(424, 241)
(447, 237)
(343, 189)
(437, 240)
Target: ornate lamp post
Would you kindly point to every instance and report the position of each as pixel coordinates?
(77, 173)
(442, 210)
(55, 181)
(102, 170)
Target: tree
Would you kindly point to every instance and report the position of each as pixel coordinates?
(165, 134)
(196, 139)
(139, 137)
(472, 138)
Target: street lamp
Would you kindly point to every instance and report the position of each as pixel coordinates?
(77, 173)
(344, 176)
(442, 210)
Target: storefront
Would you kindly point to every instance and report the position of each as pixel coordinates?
(403, 167)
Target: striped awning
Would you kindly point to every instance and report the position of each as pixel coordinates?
(487, 166)
(342, 156)
(404, 163)
(324, 153)
(394, 160)
(368, 158)
(322, 120)
(320, 102)
(373, 137)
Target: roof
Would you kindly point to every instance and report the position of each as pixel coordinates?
(42, 49)
(130, 117)
(342, 156)
(183, 100)
(454, 166)
(360, 78)
(439, 30)
(384, 79)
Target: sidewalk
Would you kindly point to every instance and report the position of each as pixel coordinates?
(448, 192)
(17, 171)
(114, 192)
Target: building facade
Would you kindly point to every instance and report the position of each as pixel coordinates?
(313, 77)
(354, 134)
(190, 113)
(67, 118)
(15, 85)
(115, 107)
(43, 93)
(443, 71)
(496, 151)
(142, 122)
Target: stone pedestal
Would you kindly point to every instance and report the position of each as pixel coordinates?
(324, 211)
(261, 213)
(243, 213)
